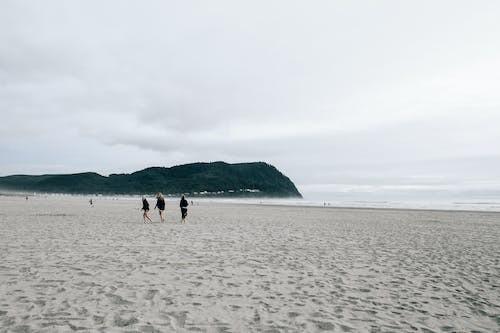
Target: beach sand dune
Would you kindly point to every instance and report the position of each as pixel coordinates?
(235, 268)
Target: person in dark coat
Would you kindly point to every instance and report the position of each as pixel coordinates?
(184, 210)
(160, 204)
(145, 208)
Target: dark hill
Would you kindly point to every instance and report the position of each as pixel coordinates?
(202, 179)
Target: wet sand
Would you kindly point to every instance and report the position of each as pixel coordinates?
(241, 268)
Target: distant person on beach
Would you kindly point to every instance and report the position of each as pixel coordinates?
(91, 202)
(184, 208)
(160, 204)
(26, 197)
(145, 208)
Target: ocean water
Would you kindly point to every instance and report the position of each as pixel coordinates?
(407, 200)
(430, 202)
(462, 205)
(457, 203)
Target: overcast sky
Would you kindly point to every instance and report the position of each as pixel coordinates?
(339, 95)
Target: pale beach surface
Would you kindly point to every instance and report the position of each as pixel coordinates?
(241, 268)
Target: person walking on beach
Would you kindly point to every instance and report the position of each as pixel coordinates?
(91, 202)
(184, 208)
(145, 208)
(160, 204)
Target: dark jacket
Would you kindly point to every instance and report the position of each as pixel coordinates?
(160, 203)
(183, 203)
(145, 204)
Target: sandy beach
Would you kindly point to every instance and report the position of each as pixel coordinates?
(66, 266)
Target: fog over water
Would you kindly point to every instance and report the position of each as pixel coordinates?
(353, 100)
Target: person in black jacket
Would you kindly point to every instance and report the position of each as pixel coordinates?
(160, 204)
(145, 208)
(184, 210)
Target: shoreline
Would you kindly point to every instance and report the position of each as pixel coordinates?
(318, 205)
(271, 202)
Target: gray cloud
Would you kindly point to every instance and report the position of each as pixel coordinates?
(349, 93)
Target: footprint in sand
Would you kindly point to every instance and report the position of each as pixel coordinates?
(22, 329)
(324, 325)
(150, 294)
(123, 322)
(177, 319)
(99, 320)
(118, 300)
